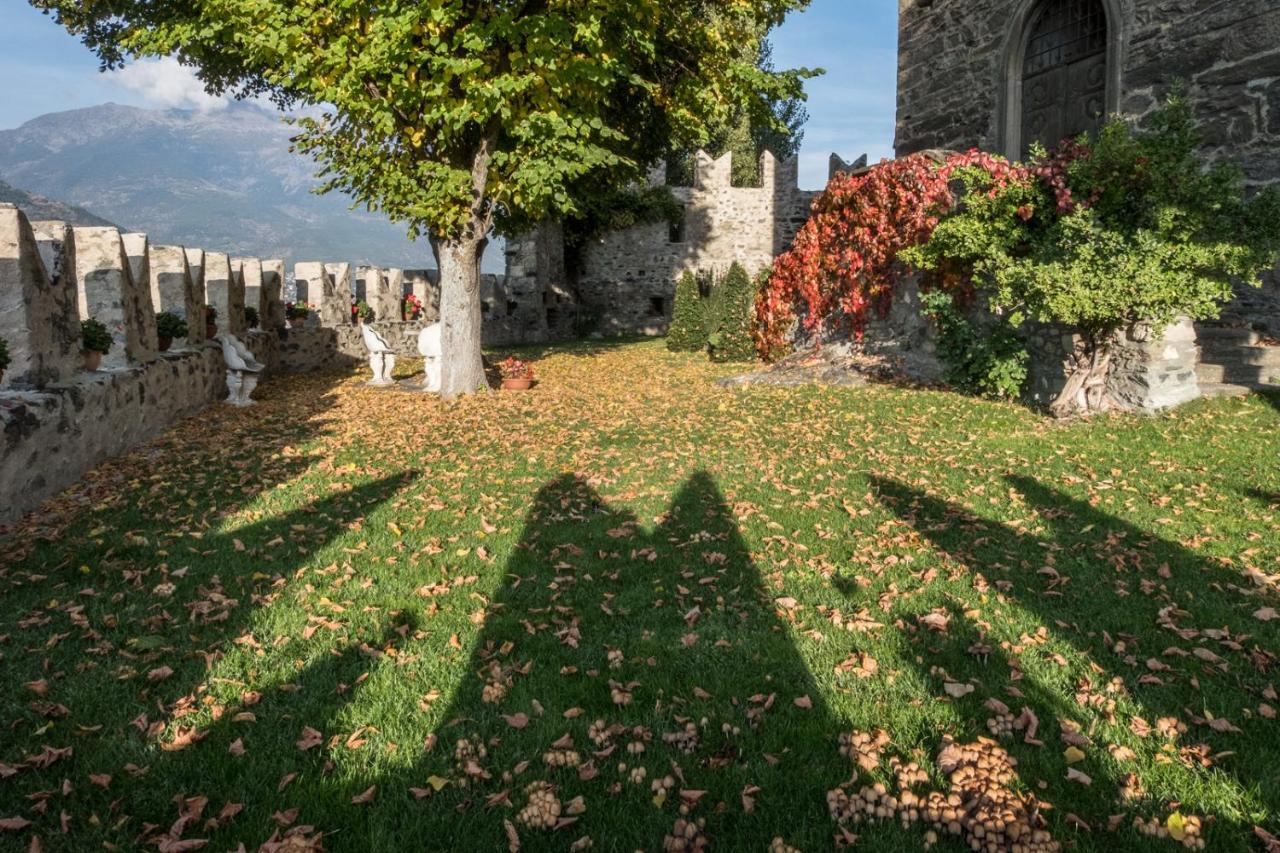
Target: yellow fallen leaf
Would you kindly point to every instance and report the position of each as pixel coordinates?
(1074, 755)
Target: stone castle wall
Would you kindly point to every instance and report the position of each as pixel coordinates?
(627, 282)
(954, 57)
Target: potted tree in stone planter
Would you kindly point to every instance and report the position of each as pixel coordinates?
(168, 327)
(96, 341)
(4, 358)
(297, 313)
(210, 322)
(364, 313)
(517, 375)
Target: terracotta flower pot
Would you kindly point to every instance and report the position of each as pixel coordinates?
(297, 322)
(517, 384)
(210, 331)
(164, 344)
(92, 360)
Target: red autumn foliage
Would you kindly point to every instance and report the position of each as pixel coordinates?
(844, 261)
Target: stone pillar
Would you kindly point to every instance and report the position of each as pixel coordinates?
(1153, 370)
(337, 299)
(395, 290)
(224, 290)
(378, 293)
(173, 290)
(319, 289)
(137, 249)
(273, 295)
(105, 292)
(251, 271)
(38, 319)
(195, 297)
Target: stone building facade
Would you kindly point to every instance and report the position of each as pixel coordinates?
(627, 282)
(995, 74)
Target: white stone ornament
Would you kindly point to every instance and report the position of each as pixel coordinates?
(242, 371)
(382, 358)
(432, 351)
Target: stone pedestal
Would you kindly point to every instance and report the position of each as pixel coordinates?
(105, 292)
(38, 318)
(1154, 369)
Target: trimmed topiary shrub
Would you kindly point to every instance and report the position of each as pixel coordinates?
(688, 331)
(170, 325)
(733, 314)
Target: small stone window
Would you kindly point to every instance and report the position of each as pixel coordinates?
(657, 306)
(677, 231)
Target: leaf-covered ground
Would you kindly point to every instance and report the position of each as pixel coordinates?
(630, 608)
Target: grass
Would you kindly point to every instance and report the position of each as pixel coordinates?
(437, 600)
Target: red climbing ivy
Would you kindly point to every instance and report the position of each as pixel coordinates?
(843, 262)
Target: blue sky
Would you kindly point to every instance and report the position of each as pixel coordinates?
(851, 108)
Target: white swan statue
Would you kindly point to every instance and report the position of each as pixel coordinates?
(243, 370)
(382, 358)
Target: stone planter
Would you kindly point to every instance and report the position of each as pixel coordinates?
(517, 384)
(92, 360)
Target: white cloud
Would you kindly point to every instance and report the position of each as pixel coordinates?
(167, 83)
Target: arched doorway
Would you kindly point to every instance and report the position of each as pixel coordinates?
(1063, 72)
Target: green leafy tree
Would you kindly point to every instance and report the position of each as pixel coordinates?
(733, 305)
(1105, 233)
(688, 332)
(447, 114)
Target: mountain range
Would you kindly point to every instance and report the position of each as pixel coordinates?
(220, 179)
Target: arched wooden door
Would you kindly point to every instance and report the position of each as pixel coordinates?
(1064, 72)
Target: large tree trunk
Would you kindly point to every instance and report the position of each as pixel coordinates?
(458, 258)
(460, 318)
(1086, 390)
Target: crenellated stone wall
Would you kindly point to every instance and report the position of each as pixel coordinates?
(627, 281)
(57, 418)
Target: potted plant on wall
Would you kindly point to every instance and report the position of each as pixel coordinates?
(517, 375)
(410, 308)
(168, 327)
(96, 341)
(297, 313)
(251, 317)
(364, 312)
(4, 358)
(210, 322)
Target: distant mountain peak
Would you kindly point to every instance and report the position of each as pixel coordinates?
(219, 179)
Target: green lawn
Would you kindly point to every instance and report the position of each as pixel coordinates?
(388, 623)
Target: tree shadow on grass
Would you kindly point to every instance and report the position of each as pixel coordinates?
(129, 680)
(611, 658)
(1120, 599)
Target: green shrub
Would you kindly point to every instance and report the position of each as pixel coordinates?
(95, 337)
(4, 354)
(251, 317)
(1102, 233)
(170, 325)
(987, 362)
(688, 332)
(365, 312)
(733, 305)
